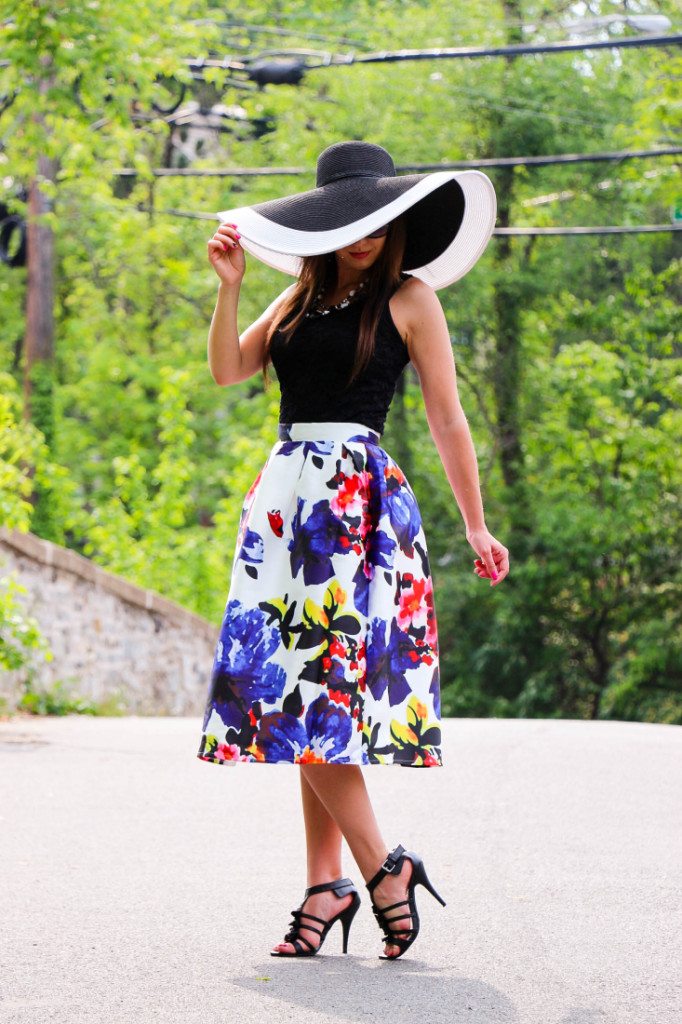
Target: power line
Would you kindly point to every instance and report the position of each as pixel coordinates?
(439, 53)
(635, 229)
(518, 49)
(248, 28)
(559, 158)
(502, 161)
(544, 21)
(296, 67)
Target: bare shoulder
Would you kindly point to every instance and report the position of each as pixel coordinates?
(414, 306)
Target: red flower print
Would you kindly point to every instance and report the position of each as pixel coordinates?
(276, 522)
(416, 607)
(336, 647)
(339, 697)
(352, 497)
(253, 486)
(230, 752)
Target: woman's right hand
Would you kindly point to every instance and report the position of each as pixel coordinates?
(226, 255)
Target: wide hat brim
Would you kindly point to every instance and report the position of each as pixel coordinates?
(449, 219)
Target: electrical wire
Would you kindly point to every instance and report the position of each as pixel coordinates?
(246, 27)
(442, 53)
(503, 161)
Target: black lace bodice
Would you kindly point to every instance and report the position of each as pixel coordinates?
(314, 365)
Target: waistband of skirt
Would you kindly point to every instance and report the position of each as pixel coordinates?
(327, 430)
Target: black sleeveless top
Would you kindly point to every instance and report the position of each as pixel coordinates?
(314, 365)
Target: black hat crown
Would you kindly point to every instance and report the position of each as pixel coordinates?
(353, 160)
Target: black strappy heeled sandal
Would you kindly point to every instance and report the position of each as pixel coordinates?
(392, 866)
(342, 887)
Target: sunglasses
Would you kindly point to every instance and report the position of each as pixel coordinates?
(378, 233)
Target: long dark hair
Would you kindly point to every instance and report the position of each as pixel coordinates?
(320, 272)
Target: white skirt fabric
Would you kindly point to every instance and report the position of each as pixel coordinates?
(328, 648)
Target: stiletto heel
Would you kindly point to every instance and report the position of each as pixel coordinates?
(393, 866)
(346, 920)
(423, 879)
(342, 887)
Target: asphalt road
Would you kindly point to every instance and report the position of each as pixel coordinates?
(141, 884)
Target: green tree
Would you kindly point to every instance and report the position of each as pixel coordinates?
(567, 349)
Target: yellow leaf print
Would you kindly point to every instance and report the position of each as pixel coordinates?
(335, 594)
(416, 710)
(315, 614)
(409, 734)
(403, 734)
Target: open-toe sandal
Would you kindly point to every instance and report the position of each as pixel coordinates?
(393, 866)
(342, 887)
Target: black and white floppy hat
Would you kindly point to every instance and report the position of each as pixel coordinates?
(449, 215)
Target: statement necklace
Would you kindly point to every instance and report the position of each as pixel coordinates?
(316, 308)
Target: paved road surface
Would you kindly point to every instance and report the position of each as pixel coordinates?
(140, 884)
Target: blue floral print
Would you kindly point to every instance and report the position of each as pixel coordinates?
(315, 540)
(243, 667)
(252, 548)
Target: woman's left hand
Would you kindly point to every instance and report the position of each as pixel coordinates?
(493, 561)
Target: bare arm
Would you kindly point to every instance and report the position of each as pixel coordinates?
(430, 350)
(233, 357)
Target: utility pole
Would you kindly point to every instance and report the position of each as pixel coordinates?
(39, 337)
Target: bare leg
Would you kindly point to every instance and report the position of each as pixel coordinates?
(341, 789)
(323, 847)
(323, 837)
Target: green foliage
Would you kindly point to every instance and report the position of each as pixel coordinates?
(42, 417)
(19, 633)
(61, 699)
(23, 646)
(138, 460)
(27, 469)
(587, 626)
(19, 446)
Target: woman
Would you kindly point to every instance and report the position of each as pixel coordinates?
(328, 651)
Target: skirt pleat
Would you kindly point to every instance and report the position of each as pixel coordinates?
(328, 648)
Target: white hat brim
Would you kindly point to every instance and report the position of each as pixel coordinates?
(282, 247)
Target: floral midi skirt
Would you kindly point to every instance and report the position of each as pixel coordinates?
(328, 648)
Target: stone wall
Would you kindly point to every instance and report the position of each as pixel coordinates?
(110, 638)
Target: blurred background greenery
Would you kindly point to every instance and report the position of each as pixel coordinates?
(567, 347)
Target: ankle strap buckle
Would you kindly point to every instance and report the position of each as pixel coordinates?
(392, 860)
